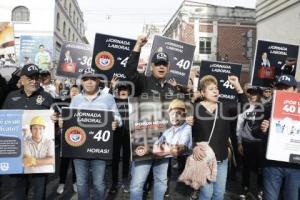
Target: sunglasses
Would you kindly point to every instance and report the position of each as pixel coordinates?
(89, 78)
(161, 64)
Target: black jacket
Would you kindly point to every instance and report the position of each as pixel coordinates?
(146, 84)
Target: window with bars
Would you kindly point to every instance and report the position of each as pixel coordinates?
(57, 21)
(205, 45)
(20, 13)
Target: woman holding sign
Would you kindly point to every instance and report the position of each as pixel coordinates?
(211, 123)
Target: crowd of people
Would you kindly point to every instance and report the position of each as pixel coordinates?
(31, 88)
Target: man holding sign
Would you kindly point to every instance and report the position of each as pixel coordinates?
(92, 98)
(276, 172)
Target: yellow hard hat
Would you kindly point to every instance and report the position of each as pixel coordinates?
(38, 120)
(176, 103)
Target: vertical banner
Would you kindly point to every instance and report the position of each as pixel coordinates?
(37, 50)
(87, 134)
(74, 58)
(158, 128)
(273, 59)
(221, 70)
(27, 138)
(7, 45)
(284, 134)
(111, 54)
(180, 57)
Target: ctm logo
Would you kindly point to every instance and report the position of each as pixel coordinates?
(4, 166)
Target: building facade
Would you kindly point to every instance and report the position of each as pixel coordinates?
(219, 33)
(279, 21)
(60, 20)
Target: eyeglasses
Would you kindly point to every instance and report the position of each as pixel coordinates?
(267, 91)
(34, 77)
(89, 78)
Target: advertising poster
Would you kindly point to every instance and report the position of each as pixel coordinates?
(221, 70)
(7, 45)
(110, 55)
(37, 50)
(21, 131)
(87, 134)
(180, 57)
(74, 58)
(284, 134)
(158, 128)
(273, 59)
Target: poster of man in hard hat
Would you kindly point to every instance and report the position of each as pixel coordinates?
(158, 127)
(27, 142)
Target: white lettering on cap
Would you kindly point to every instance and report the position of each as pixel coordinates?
(32, 67)
(286, 78)
(161, 56)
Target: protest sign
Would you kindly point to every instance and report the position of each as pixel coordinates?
(180, 57)
(111, 54)
(157, 129)
(87, 134)
(37, 50)
(74, 58)
(20, 132)
(273, 59)
(284, 134)
(221, 70)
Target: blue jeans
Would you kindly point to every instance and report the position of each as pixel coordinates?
(216, 190)
(139, 173)
(273, 178)
(82, 168)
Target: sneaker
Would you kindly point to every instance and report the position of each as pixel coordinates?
(74, 187)
(125, 188)
(60, 188)
(260, 195)
(113, 189)
(167, 193)
(194, 195)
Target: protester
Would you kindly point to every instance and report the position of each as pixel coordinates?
(30, 97)
(250, 148)
(154, 85)
(267, 95)
(121, 140)
(277, 174)
(92, 98)
(204, 129)
(47, 84)
(64, 162)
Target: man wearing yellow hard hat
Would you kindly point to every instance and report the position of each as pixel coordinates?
(38, 150)
(178, 138)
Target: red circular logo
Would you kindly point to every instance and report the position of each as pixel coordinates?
(104, 60)
(75, 136)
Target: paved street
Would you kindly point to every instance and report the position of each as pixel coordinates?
(178, 191)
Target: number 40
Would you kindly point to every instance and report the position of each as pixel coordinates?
(104, 136)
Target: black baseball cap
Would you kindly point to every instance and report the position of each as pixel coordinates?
(254, 90)
(160, 57)
(30, 70)
(287, 80)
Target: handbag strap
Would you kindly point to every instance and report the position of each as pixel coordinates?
(213, 127)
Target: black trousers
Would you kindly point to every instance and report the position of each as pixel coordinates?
(121, 139)
(23, 182)
(63, 171)
(252, 161)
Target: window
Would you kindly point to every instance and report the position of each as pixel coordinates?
(69, 34)
(20, 13)
(74, 16)
(64, 29)
(70, 10)
(205, 45)
(65, 4)
(57, 21)
(73, 37)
